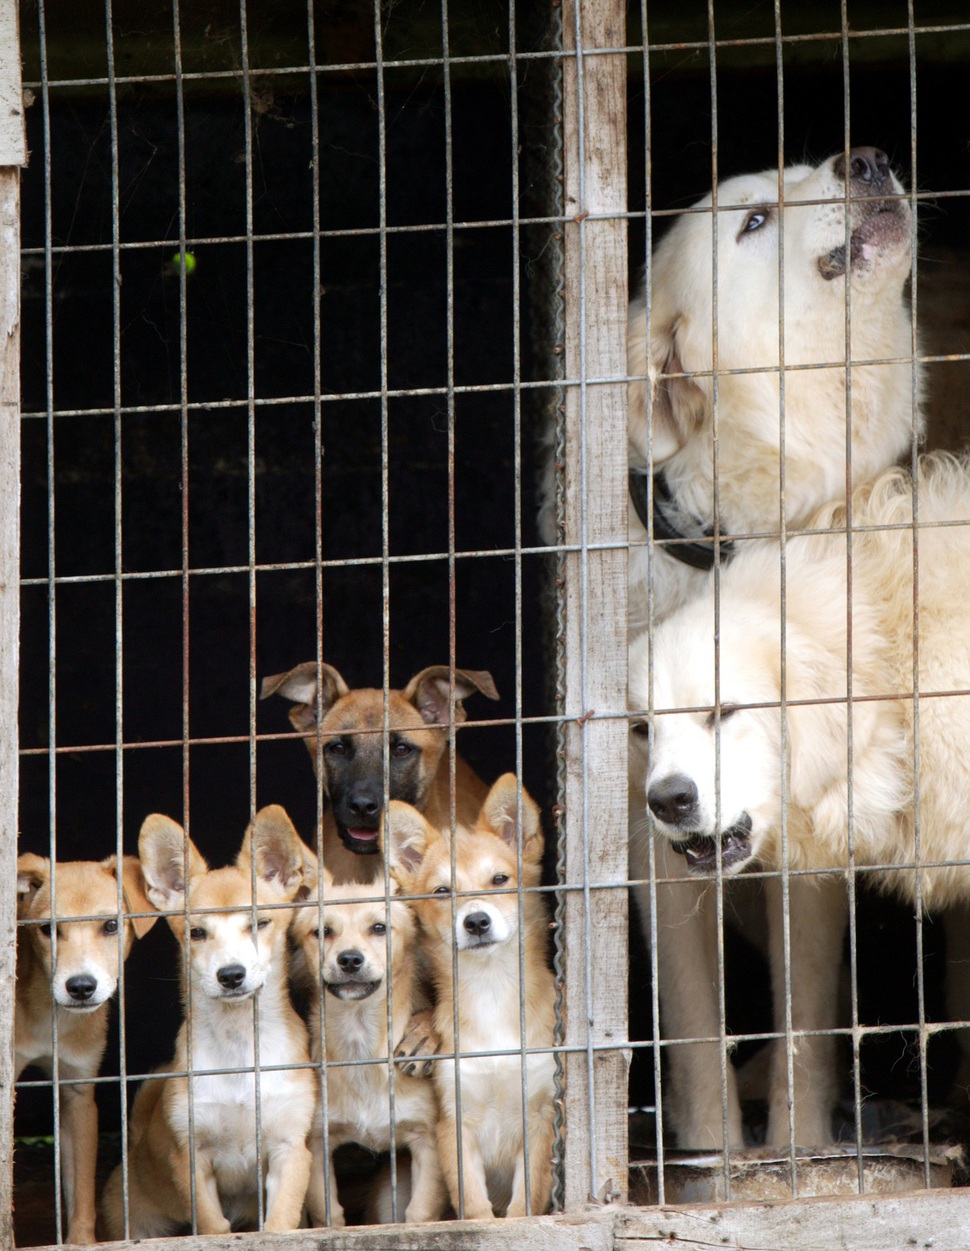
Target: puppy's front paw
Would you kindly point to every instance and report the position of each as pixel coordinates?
(418, 1044)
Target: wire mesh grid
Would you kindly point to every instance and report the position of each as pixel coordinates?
(188, 128)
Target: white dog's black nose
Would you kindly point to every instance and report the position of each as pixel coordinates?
(81, 987)
(231, 976)
(869, 166)
(673, 799)
(478, 923)
(350, 961)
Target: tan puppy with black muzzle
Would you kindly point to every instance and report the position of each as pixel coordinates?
(351, 733)
(70, 969)
(234, 953)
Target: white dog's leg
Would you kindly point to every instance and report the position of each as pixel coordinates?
(689, 1002)
(818, 915)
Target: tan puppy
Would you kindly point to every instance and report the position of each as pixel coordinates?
(76, 979)
(226, 966)
(351, 732)
(354, 972)
(477, 914)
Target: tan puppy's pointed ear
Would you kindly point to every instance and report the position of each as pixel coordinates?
(169, 860)
(300, 686)
(273, 843)
(500, 816)
(32, 873)
(134, 891)
(313, 873)
(430, 692)
(408, 837)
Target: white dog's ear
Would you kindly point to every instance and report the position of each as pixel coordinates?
(279, 853)
(500, 813)
(679, 404)
(409, 837)
(167, 857)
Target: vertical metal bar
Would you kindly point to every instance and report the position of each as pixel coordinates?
(251, 553)
(595, 586)
(51, 587)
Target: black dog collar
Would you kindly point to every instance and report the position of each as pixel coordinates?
(653, 497)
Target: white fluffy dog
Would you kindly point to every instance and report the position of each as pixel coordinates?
(744, 359)
(749, 763)
(778, 397)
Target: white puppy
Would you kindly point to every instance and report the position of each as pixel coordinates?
(745, 770)
(751, 324)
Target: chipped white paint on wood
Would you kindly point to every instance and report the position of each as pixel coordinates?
(594, 129)
(13, 149)
(9, 660)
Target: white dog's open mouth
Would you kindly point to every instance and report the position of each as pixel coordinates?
(700, 850)
(885, 225)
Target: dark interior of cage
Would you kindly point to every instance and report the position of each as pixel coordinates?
(284, 453)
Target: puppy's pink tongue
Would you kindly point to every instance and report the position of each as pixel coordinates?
(365, 836)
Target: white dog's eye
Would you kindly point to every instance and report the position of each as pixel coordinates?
(754, 221)
(378, 928)
(727, 711)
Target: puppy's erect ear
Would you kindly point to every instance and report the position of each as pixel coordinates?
(408, 837)
(679, 404)
(312, 873)
(133, 889)
(300, 685)
(167, 856)
(500, 813)
(32, 873)
(430, 692)
(279, 853)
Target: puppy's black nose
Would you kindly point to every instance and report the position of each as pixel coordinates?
(231, 976)
(866, 165)
(350, 961)
(673, 799)
(81, 987)
(478, 923)
(364, 804)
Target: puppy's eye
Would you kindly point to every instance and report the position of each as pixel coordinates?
(327, 931)
(110, 927)
(336, 747)
(262, 923)
(400, 750)
(197, 933)
(378, 928)
(46, 929)
(500, 879)
(442, 890)
(754, 221)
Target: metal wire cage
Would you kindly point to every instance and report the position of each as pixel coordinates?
(313, 297)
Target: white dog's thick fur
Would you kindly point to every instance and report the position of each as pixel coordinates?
(801, 778)
(763, 418)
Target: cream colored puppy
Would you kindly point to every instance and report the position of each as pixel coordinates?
(366, 1101)
(475, 915)
(75, 981)
(234, 974)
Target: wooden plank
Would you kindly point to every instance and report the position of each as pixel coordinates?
(927, 1218)
(13, 144)
(9, 662)
(594, 129)
(590, 1232)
